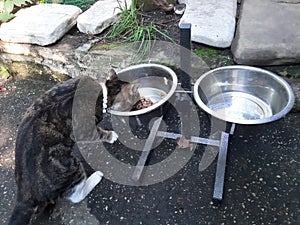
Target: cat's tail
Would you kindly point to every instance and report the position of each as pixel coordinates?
(21, 214)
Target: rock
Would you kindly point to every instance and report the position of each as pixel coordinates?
(268, 33)
(183, 1)
(100, 16)
(213, 22)
(42, 24)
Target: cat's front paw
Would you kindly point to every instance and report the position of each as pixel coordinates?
(113, 137)
(98, 174)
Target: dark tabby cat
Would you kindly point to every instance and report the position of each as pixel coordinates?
(45, 167)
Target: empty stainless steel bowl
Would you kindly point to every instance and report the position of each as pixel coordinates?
(243, 95)
(156, 82)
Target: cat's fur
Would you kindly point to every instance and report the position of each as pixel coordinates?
(45, 167)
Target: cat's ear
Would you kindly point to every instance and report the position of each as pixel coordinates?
(112, 75)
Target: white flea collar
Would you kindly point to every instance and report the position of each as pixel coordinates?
(105, 93)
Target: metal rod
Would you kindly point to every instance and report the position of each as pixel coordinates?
(193, 139)
(183, 91)
(221, 165)
(205, 141)
(146, 150)
(232, 128)
(185, 55)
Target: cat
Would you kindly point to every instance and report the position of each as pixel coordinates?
(45, 168)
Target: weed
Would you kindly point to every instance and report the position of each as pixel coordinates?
(206, 53)
(132, 30)
(228, 61)
(7, 7)
(4, 73)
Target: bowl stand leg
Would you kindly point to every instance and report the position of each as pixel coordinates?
(146, 150)
(221, 164)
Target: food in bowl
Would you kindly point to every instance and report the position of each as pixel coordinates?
(143, 103)
(149, 96)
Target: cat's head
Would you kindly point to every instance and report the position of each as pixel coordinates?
(121, 95)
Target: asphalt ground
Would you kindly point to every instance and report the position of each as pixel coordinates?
(262, 182)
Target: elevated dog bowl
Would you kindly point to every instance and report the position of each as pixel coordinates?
(243, 95)
(156, 82)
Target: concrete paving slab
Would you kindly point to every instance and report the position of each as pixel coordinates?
(41, 24)
(101, 15)
(213, 22)
(268, 33)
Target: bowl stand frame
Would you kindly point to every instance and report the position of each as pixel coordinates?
(222, 144)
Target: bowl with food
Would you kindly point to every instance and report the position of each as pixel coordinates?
(156, 85)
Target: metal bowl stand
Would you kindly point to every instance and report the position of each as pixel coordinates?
(222, 143)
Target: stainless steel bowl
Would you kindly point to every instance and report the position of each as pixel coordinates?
(243, 95)
(156, 82)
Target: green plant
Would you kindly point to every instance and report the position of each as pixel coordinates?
(4, 72)
(126, 22)
(133, 30)
(206, 52)
(7, 7)
(83, 4)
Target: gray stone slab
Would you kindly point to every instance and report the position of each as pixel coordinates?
(268, 33)
(100, 16)
(213, 22)
(42, 24)
(183, 1)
